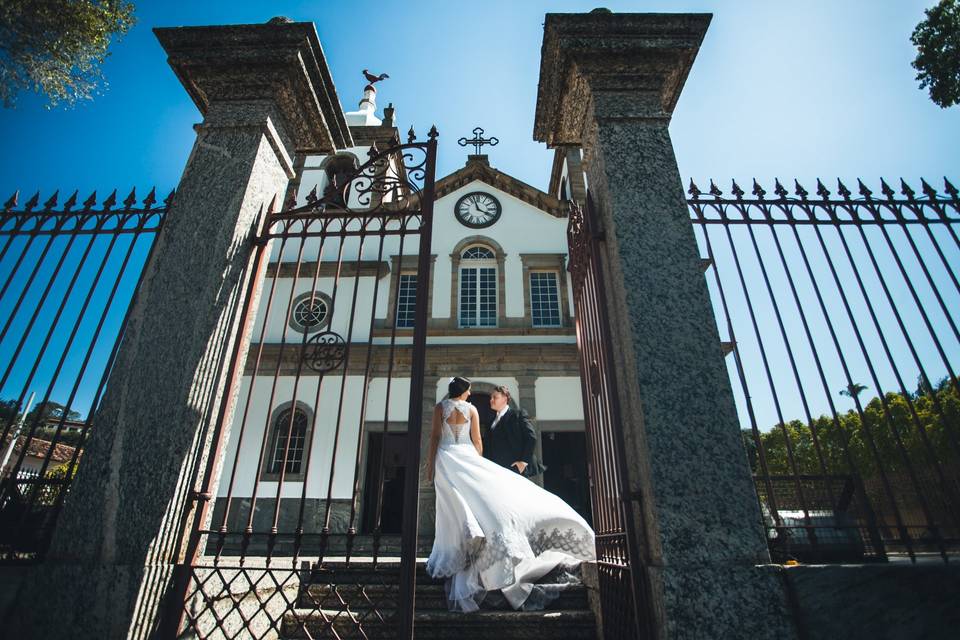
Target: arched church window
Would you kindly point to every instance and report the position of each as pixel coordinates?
(311, 312)
(289, 442)
(478, 287)
(478, 253)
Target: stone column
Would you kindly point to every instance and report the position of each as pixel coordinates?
(264, 92)
(609, 83)
(528, 402)
(427, 515)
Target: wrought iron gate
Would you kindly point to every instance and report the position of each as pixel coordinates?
(292, 540)
(624, 595)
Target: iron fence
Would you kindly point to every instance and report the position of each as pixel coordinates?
(838, 313)
(68, 275)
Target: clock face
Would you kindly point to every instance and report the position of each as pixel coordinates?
(477, 210)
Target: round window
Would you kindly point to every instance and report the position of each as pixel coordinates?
(311, 312)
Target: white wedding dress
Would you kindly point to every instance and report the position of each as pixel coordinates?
(495, 529)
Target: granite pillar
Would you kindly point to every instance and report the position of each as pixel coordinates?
(264, 92)
(427, 514)
(527, 388)
(609, 83)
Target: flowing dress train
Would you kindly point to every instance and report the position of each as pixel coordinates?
(495, 529)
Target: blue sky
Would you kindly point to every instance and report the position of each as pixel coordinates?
(787, 89)
(792, 89)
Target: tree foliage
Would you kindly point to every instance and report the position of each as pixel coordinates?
(56, 47)
(937, 38)
(889, 437)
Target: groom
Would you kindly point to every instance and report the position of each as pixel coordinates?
(511, 439)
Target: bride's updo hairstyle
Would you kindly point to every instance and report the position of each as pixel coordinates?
(457, 386)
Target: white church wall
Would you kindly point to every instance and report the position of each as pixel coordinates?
(521, 228)
(559, 398)
(322, 438)
(399, 399)
(278, 328)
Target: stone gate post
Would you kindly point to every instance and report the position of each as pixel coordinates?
(265, 93)
(609, 84)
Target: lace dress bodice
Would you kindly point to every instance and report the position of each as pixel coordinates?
(452, 433)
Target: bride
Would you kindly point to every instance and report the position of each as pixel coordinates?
(495, 529)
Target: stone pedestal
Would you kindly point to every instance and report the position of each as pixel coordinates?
(265, 92)
(609, 83)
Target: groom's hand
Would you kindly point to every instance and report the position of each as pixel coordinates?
(520, 465)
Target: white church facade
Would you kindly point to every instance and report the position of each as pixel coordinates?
(500, 312)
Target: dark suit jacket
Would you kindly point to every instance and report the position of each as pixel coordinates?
(513, 439)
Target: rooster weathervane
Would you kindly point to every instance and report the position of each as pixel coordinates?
(372, 79)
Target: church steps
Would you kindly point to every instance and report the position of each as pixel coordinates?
(372, 595)
(445, 625)
(430, 597)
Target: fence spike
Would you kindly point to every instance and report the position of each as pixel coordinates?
(886, 190)
(312, 196)
(822, 190)
(694, 190)
(273, 203)
(779, 189)
(758, 190)
(131, 199)
(736, 190)
(714, 189)
(169, 199)
(71, 201)
(906, 190)
(150, 199)
(11, 201)
(110, 201)
(51, 201)
(949, 188)
(373, 151)
(90, 201)
(411, 135)
(842, 190)
(864, 191)
(32, 202)
(433, 133)
(799, 190)
(930, 192)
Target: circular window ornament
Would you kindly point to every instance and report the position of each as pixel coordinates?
(311, 312)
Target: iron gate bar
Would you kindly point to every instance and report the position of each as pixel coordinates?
(825, 212)
(408, 543)
(49, 224)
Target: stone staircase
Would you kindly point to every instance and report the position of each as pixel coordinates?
(360, 600)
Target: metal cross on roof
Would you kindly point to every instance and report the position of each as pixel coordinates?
(478, 140)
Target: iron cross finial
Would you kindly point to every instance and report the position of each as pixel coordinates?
(478, 140)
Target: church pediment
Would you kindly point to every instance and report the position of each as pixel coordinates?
(478, 168)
